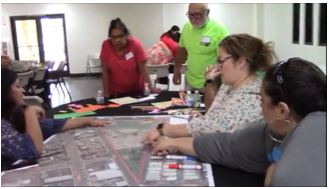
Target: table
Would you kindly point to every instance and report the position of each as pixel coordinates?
(223, 176)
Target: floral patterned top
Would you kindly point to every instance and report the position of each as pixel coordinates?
(230, 110)
(16, 145)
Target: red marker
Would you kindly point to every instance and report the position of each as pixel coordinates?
(180, 166)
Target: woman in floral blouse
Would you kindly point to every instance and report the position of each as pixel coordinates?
(236, 104)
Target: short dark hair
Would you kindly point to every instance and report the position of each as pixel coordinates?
(299, 83)
(117, 23)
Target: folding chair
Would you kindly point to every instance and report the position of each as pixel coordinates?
(158, 70)
(57, 77)
(37, 81)
(24, 79)
(93, 62)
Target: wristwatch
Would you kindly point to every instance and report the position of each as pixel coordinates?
(160, 129)
(208, 81)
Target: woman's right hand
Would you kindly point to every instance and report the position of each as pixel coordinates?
(212, 71)
(151, 136)
(194, 114)
(38, 110)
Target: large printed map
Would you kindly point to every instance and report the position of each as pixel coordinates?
(107, 156)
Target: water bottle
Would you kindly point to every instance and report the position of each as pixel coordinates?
(189, 99)
(197, 99)
(147, 90)
(100, 97)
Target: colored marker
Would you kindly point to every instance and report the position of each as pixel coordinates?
(180, 157)
(156, 157)
(180, 166)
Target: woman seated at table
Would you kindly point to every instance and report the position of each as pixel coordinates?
(237, 102)
(290, 147)
(23, 127)
(123, 61)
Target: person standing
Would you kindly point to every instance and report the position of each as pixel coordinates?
(171, 39)
(198, 45)
(123, 61)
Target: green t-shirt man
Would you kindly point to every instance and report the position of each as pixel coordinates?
(201, 45)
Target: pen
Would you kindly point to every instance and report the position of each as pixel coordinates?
(180, 157)
(180, 166)
(174, 157)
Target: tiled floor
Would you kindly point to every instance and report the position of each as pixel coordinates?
(79, 87)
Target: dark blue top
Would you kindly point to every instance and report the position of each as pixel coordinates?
(16, 145)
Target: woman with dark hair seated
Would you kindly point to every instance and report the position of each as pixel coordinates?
(23, 127)
(290, 147)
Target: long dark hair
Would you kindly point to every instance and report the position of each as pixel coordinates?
(174, 36)
(9, 109)
(299, 83)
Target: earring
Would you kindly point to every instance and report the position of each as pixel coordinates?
(288, 123)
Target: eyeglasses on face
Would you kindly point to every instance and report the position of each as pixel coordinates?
(197, 15)
(221, 61)
(121, 36)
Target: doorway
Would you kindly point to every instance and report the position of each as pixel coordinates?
(40, 38)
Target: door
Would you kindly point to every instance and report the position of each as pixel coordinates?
(40, 38)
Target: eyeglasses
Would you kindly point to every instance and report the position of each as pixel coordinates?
(221, 61)
(197, 15)
(118, 37)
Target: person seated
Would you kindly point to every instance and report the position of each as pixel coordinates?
(237, 102)
(24, 127)
(15, 65)
(290, 147)
(5, 61)
(123, 63)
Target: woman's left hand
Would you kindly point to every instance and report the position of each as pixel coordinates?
(164, 146)
(94, 122)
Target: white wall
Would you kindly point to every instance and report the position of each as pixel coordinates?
(87, 25)
(278, 28)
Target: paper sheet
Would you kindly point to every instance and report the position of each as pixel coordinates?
(124, 100)
(69, 115)
(162, 105)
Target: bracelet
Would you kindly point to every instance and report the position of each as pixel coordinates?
(208, 81)
(160, 129)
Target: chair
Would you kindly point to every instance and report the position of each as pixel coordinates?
(158, 70)
(37, 81)
(24, 79)
(49, 64)
(33, 100)
(93, 62)
(57, 77)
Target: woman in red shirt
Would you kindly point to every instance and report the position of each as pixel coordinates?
(171, 39)
(123, 61)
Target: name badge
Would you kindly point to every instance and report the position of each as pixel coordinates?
(205, 40)
(129, 55)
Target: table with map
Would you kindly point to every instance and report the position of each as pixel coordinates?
(107, 156)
